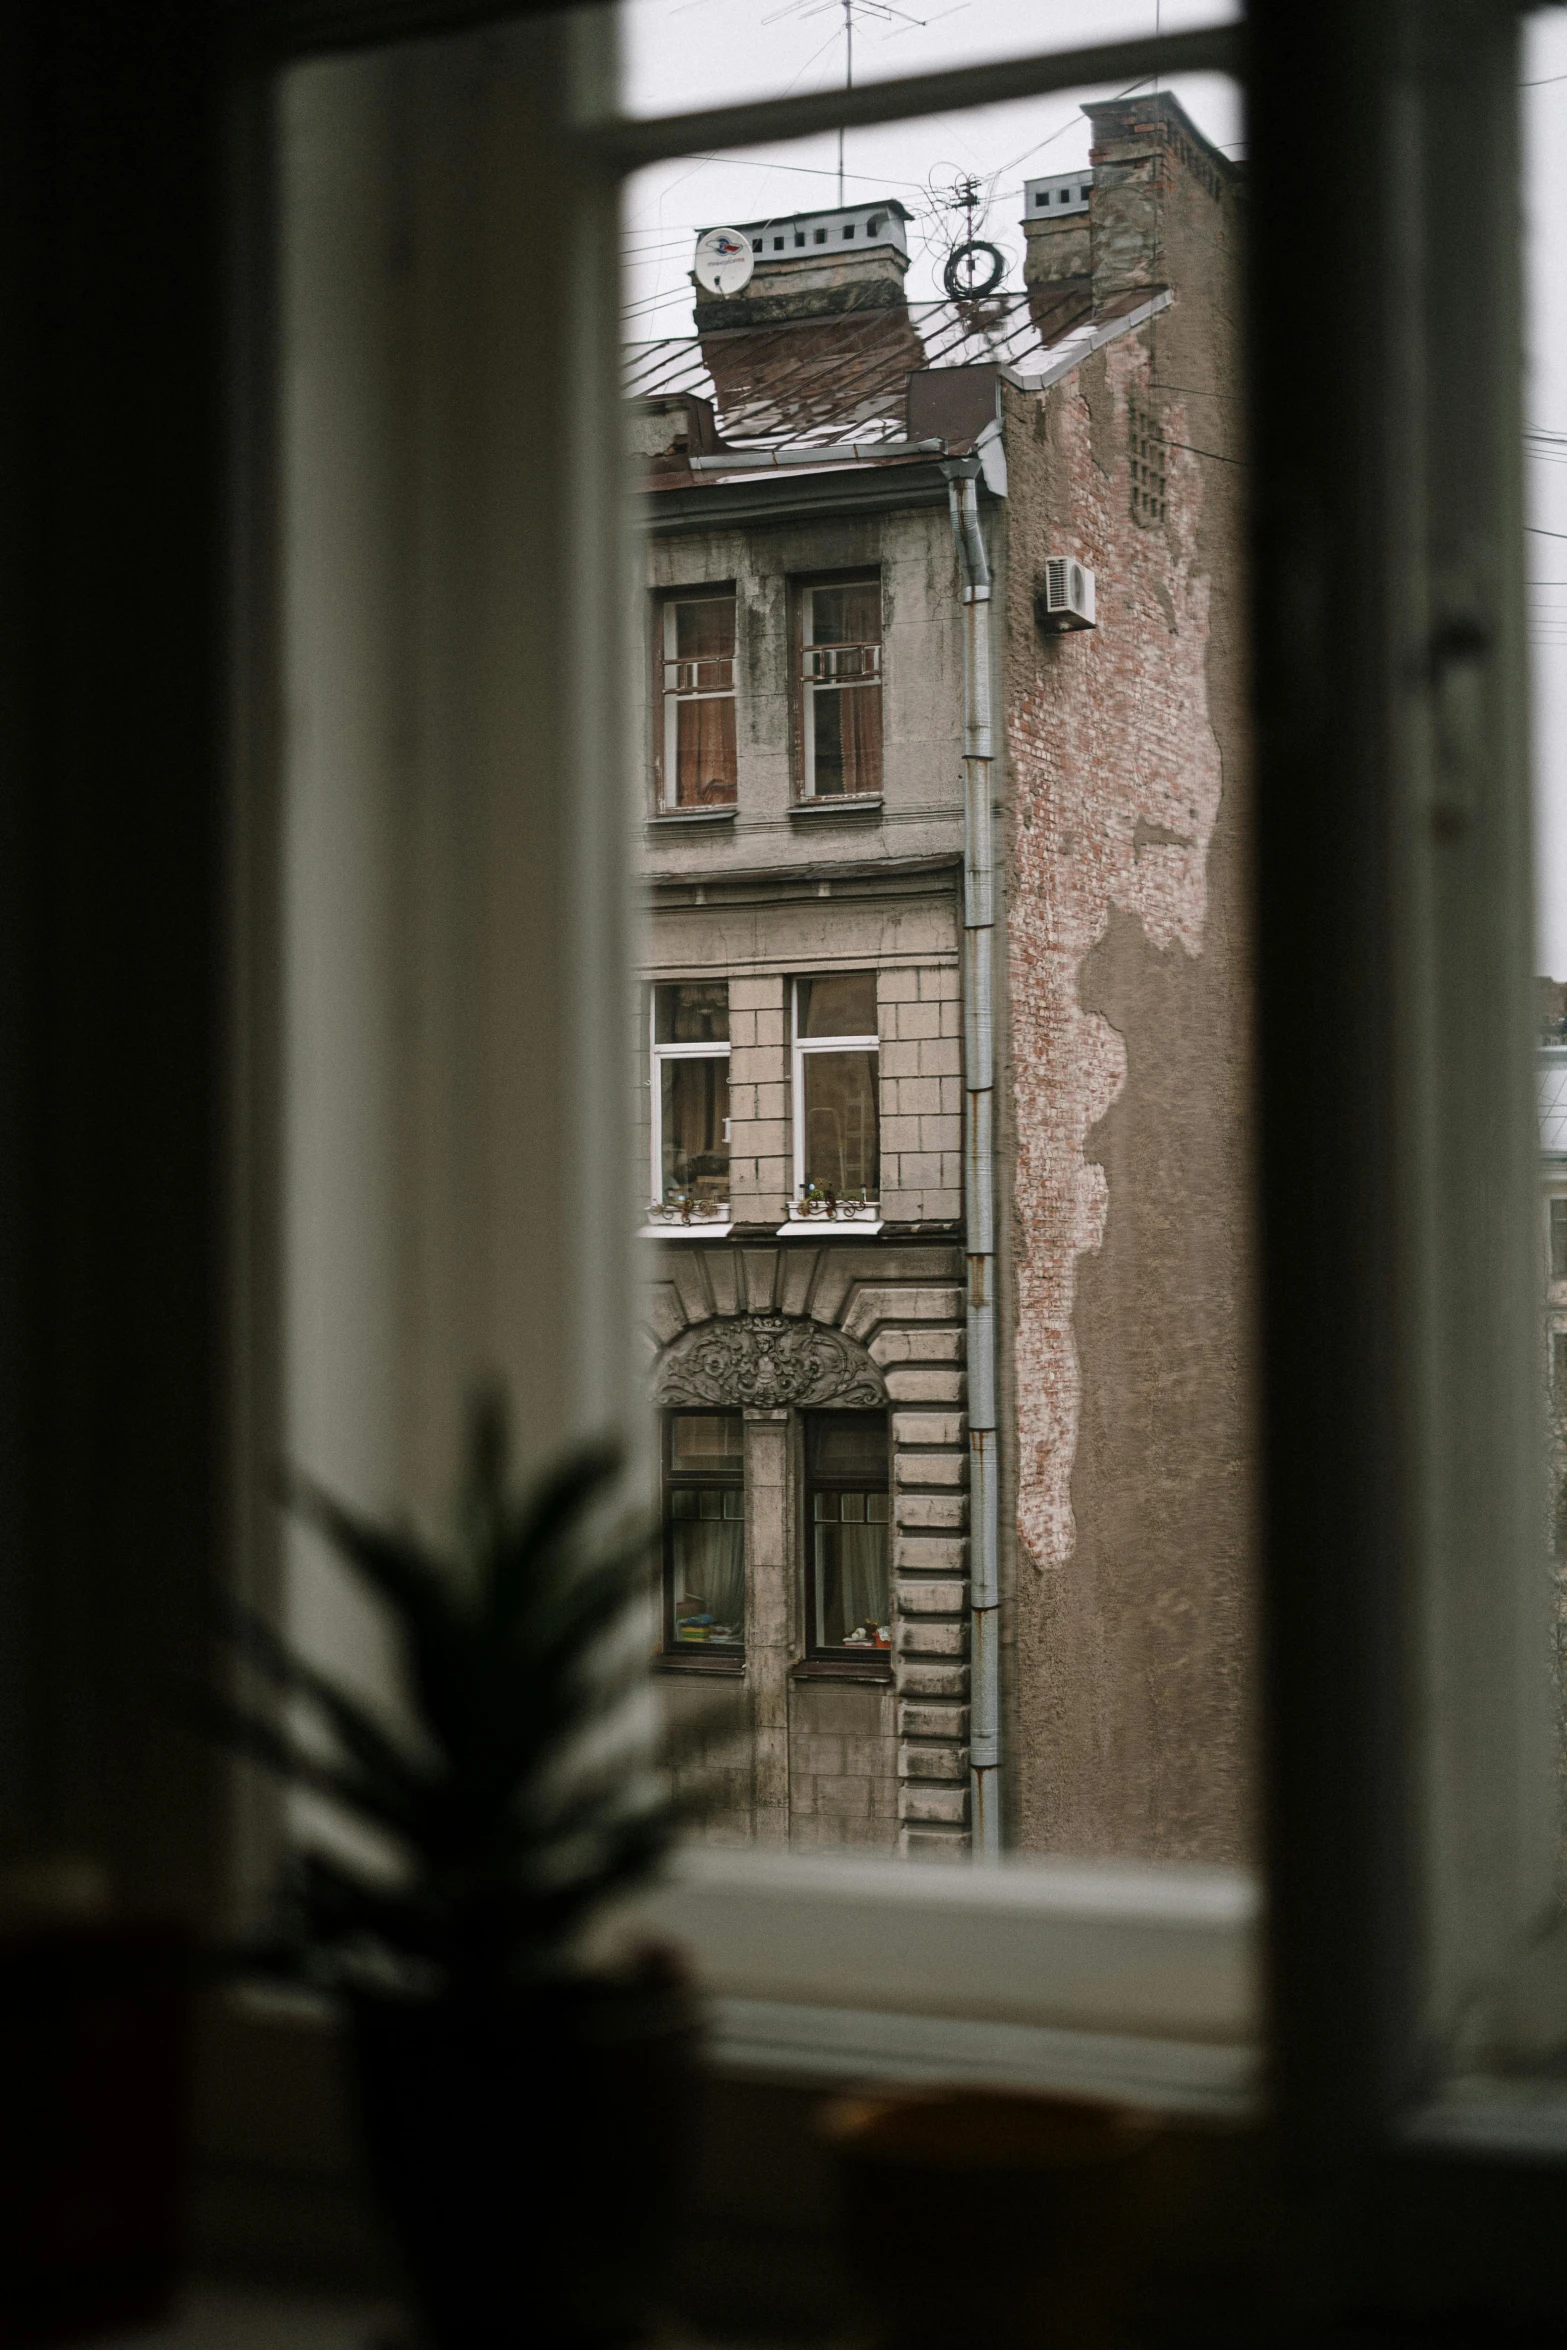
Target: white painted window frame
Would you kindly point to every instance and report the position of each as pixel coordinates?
(811, 685)
(673, 694)
(801, 1048)
(658, 1055)
(1137, 1962)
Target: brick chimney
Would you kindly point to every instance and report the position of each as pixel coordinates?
(817, 265)
(1094, 235)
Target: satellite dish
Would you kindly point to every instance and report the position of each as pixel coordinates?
(724, 261)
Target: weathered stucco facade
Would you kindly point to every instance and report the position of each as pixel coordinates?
(1100, 405)
(1129, 1044)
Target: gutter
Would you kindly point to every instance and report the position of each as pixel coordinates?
(836, 453)
(979, 1161)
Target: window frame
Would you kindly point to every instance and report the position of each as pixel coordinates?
(698, 1656)
(1361, 503)
(707, 1228)
(670, 700)
(806, 689)
(800, 1050)
(818, 1650)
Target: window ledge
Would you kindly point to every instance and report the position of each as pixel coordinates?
(1128, 1979)
(829, 1228)
(847, 1668)
(698, 816)
(728, 1664)
(685, 1231)
(843, 804)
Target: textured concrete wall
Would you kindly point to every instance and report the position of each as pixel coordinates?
(1128, 971)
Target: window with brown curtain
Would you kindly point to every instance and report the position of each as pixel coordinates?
(698, 738)
(840, 672)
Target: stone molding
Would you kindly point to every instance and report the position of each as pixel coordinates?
(767, 1361)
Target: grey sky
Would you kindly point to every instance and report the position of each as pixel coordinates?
(686, 53)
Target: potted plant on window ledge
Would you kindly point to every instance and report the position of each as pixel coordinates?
(522, 2111)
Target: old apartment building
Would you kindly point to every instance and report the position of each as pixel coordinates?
(945, 1034)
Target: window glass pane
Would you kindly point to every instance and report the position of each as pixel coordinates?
(748, 55)
(1073, 1077)
(1544, 104)
(849, 615)
(845, 739)
(706, 770)
(704, 1531)
(849, 1531)
(706, 1440)
(696, 1127)
(691, 1012)
(842, 1151)
(842, 1003)
(848, 1444)
(705, 633)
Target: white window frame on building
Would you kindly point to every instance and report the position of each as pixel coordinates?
(694, 680)
(840, 669)
(822, 1213)
(669, 1219)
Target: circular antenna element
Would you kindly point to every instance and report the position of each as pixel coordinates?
(974, 269)
(724, 261)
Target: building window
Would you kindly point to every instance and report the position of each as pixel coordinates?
(1559, 1240)
(848, 1518)
(840, 673)
(1145, 448)
(704, 1531)
(1559, 1364)
(690, 1100)
(697, 752)
(837, 1128)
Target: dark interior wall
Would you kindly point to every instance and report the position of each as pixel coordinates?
(118, 245)
(113, 634)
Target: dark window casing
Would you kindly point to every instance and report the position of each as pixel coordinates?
(704, 1535)
(848, 1535)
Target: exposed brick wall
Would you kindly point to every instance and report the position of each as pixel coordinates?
(1128, 1110)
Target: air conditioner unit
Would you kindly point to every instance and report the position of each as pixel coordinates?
(1066, 594)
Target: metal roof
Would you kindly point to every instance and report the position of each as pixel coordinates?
(821, 381)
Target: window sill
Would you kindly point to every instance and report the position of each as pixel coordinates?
(829, 1228)
(669, 1661)
(1123, 1979)
(847, 1668)
(697, 816)
(685, 1231)
(843, 804)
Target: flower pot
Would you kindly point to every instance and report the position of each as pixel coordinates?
(527, 2156)
(987, 2217)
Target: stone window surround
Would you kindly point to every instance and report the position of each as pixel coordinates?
(778, 1330)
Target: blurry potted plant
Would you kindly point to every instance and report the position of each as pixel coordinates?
(522, 2112)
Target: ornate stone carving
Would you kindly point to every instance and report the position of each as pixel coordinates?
(766, 1361)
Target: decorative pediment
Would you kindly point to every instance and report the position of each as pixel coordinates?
(767, 1361)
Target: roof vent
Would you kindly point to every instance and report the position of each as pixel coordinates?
(1065, 597)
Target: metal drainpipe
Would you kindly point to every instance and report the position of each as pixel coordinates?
(979, 1163)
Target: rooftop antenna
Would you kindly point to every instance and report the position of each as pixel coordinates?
(974, 267)
(896, 17)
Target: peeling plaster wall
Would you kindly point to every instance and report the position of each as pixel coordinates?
(1128, 972)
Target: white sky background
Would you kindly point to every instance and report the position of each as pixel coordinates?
(681, 54)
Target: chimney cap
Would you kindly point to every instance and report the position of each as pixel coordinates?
(801, 236)
(1062, 194)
